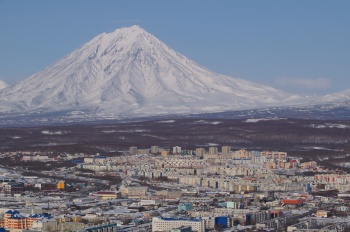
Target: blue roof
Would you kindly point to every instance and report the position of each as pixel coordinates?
(12, 212)
(16, 216)
(43, 215)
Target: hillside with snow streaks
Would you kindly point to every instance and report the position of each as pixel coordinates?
(3, 85)
(340, 97)
(130, 73)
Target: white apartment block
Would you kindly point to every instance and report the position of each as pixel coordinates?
(176, 150)
(166, 224)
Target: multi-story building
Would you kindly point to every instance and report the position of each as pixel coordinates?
(154, 149)
(241, 154)
(133, 191)
(35, 158)
(14, 220)
(14, 188)
(166, 224)
(45, 225)
(133, 150)
(309, 165)
(176, 150)
(200, 152)
(225, 149)
(274, 154)
(213, 150)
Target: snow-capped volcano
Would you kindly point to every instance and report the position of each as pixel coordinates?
(129, 72)
(3, 85)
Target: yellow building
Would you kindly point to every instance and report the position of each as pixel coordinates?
(60, 185)
(69, 218)
(106, 195)
(322, 213)
(133, 190)
(164, 153)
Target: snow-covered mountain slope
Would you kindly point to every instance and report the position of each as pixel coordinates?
(339, 97)
(3, 85)
(130, 73)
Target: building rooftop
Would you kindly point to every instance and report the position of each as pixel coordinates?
(180, 219)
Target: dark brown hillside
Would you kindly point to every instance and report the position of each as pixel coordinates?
(311, 139)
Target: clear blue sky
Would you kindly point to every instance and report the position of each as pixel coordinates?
(299, 46)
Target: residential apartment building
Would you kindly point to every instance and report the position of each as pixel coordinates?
(166, 224)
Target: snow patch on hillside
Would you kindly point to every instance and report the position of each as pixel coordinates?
(167, 121)
(207, 122)
(329, 125)
(255, 120)
(46, 132)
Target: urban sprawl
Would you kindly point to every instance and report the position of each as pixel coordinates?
(155, 189)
